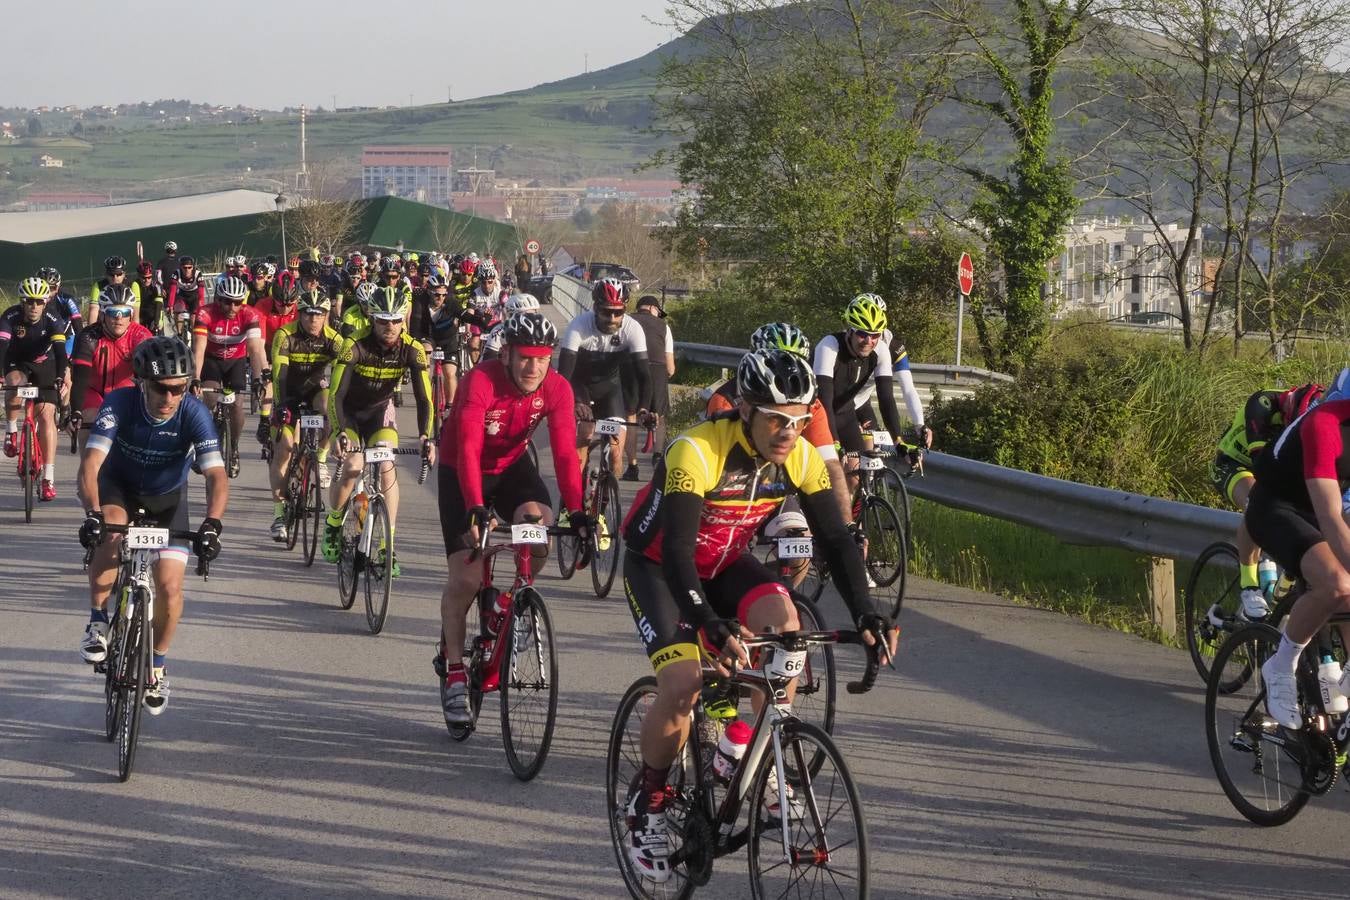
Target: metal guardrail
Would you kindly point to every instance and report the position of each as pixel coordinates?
(924, 373)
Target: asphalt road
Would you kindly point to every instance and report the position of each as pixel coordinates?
(1015, 753)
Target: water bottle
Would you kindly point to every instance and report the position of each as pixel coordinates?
(1267, 574)
(1334, 700)
(494, 604)
(730, 749)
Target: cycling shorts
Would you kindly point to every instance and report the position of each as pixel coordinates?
(605, 397)
(663, 628)
(41, 373)
(287, 415)
(228, 373)
(164, 511)
(660, 389)
(504, 493)
(373, 427)
(1284, 530)
(1225, 473)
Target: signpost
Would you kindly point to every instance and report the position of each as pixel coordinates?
(532, 246)
(965, 282)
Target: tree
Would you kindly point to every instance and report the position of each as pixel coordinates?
(1023, 203)
(582, 219)
(34, 126)
(623, 233)
(324, 217)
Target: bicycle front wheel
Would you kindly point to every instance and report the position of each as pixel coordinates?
(295, 498)
(886, 557)
(1212, 602)
(816, 686)
(606, 561)
(529, 685)
(312, 513)
(623, 764)
(892, 489)
(113, 665)
(379, 567)
(815, 843)
(28, 471)
(1260, 765)
(226, 442)
(350, 562)
(135, 676)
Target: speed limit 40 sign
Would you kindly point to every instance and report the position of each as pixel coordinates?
(531, 246)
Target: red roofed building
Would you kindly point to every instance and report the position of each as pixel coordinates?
(414, 173)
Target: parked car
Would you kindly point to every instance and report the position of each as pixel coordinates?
(541, 286)
(593, 272)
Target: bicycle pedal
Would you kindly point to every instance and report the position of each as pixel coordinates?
(100, 668)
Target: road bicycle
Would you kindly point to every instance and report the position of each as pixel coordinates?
(890, 483)
(1212, 603)
(513, 652)
(440, 398)
(126, 668)
(30, 457)
(817, 848)
(366, 526)
(601, 501)
(220, 418)
(302, 493)
(1269, 772)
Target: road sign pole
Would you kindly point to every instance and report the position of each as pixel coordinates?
(960, 319)
(965, 283)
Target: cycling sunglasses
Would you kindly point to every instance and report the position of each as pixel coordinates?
(778, 421)
(118, 312)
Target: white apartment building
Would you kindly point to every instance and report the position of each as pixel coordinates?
(1115, 268)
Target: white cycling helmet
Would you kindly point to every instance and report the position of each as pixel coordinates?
(521, 303)
(788, 521)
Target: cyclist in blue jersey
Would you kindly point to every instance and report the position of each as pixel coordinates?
(140, 450)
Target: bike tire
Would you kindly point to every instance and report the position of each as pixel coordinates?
(1241, 736)
(892, 489)
(226, 441)
(137, 672)
(117, 635)
(312, 521)
(533, 452)
(378, 575)
(295, 500)
(349, 558)
(605, 563)
(1214, 581)
(623, 762)
(813, 585)
(886, 557)
(824, 822)
(818, 686)
(529, 685)
(26, 471)
(568, 549)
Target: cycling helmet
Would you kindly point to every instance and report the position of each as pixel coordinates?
(866, 312)
(609, 293)
(389, 264)
(1296, 402)
(775, 377)
(34, 289)
(508, 282)
(387, 303)
(50, 275)
(160, 358)
(115, 295)
(473, 256)
(432, 282)
(145, 267)
(786, 523)
(314, 300)
(288, 290)
(170, 247)
(327, 261)
(529, 329)
(232, 287)
(468, 266)
(271, 268)
(485, 271)
(413, 257)
(521, 303)
(259, 271)
(186, 261)
(1339, 389)
(114, 264)
(781, 336)
(364, 291)
(308, 269)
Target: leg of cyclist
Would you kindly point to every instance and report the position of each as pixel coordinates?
(46, 432)
(283, 445)
(339, 492)
(1254, 604)
(13, 409)
(102, 574)
(389, 484)
(168, 610)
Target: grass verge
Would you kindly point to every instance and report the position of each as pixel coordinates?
(1101, 585)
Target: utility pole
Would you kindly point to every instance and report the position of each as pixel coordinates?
(335, 103)
(587, 66)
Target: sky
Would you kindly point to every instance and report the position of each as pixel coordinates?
(276, 53)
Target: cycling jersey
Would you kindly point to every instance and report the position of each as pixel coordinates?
(367, 373)
(104, 282)
(273, 315)
(152, 305)
(186, 296)
(816, 433)
(227, 338)
(709, 496)
(68, 308)
(491, 422)
(355, 324)
(1314, 446)
(32, 342)
(153, 458)
(257, 295)
(492, 341)
(102, 364)
(588, 357)
(842, 377)
(1257, 423)
(299, 361)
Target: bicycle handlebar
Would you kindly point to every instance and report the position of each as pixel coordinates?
(798, 640)
(203, 564)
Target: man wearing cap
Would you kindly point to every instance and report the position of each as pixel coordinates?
(651, 315)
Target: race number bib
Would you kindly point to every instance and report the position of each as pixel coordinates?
(871, 464)
(379, 455)
(882, 440)
(27, 392)
(608, 427)
(438, 355)
(795, 548)
(529, 533)
(785, 663)
(227, 399)
(315, 422)
(147, 538)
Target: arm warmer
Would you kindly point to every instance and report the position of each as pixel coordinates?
(681, 513)
(840, 550)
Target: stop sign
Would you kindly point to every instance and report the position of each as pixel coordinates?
(965, 274)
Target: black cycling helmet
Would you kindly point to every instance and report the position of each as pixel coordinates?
(114, 264)
(50, 275)
(529, 329)
(187, 261)
(775, 377)
(160, 358)
(309, 268)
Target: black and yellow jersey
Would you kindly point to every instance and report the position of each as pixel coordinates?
(367, 373)
(299, 361)
(714, 460)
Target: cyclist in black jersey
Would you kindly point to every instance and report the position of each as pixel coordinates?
(33, 350)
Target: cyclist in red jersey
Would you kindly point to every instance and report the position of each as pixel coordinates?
(275, 311)
(226, 338)
(102, 358)
(484, 465)
(1295, 512)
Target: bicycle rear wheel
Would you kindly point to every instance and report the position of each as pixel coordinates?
(312, 514)
(27, 474)
(623, 764)
(379, 567)
(350, 561)
(824, 851)
(816, 686)
(529, 685)
(886, 558)
(135, 676)
(1260, 765)
(295, 499)
(569, 548)
(606, 562)
(1213, 592)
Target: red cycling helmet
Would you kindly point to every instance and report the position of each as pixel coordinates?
(145, 267)
(1296, 402)
(609, 293)
(468, 267)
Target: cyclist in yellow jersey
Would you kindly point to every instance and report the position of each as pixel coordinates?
(115, 273)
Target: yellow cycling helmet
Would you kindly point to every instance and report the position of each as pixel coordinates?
(866, 312)
(34, 289)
